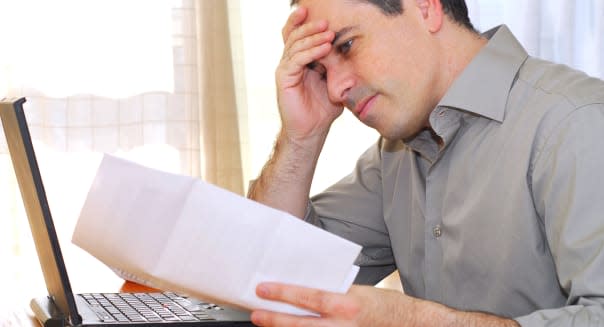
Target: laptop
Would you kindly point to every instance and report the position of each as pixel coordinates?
(64, 308)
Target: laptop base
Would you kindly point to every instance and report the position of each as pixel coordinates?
(47, 313)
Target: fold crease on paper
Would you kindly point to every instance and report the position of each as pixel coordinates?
(181, 234)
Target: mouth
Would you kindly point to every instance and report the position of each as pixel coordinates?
(363, 106)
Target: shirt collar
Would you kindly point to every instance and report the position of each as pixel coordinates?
(484, 85)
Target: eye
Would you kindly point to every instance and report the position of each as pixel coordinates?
(322, 71)
(317, 67)
(345, 47)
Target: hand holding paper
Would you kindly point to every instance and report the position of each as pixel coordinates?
(182, 234)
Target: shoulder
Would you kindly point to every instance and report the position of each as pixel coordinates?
(549, 98)
(552, 82)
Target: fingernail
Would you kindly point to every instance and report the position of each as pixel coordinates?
(262, 290)
(257, 318)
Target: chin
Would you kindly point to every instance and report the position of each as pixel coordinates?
(397, 134)
(391, 135)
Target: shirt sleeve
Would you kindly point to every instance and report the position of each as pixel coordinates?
(568, 193)
(352, 209)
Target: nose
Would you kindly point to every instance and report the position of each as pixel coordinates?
(340, 80)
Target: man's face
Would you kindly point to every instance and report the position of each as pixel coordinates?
(382, 68)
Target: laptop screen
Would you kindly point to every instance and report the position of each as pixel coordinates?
(36, 206)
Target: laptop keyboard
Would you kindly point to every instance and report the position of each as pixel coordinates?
(148, 307)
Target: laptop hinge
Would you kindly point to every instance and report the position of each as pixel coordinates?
(47, 313)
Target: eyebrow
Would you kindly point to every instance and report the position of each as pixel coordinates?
(343, 32)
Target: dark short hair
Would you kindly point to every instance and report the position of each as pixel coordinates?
(455, 9)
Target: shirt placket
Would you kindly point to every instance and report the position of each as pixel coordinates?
(445, 123)
(433, 233)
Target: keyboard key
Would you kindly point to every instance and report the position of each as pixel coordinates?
(153, 307)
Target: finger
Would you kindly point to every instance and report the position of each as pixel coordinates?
(309, 42)
(269, 318)
(299, 60)
(295, 19)
(326, 303)
(291, 70)
(305, 30)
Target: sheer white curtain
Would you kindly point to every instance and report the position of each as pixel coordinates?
(564, 31)
(108, 76)
(67, 47)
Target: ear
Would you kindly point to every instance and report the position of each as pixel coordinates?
(432, 13)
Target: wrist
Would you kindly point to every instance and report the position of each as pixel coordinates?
(306, 149)
(285, 180)
(314, 139)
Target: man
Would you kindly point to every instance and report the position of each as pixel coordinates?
(484, 191)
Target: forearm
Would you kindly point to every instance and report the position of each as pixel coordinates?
(434, 314)
(476, 319)
(285, 180)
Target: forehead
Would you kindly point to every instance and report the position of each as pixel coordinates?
(339, 11)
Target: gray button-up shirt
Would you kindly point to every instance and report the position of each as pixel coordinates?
(508, 216)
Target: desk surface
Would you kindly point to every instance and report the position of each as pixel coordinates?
(24, 316)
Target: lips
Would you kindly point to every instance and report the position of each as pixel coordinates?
(363, 105)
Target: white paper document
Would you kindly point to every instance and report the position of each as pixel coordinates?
(181, 234)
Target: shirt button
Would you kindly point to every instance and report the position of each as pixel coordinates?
(437, 231)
